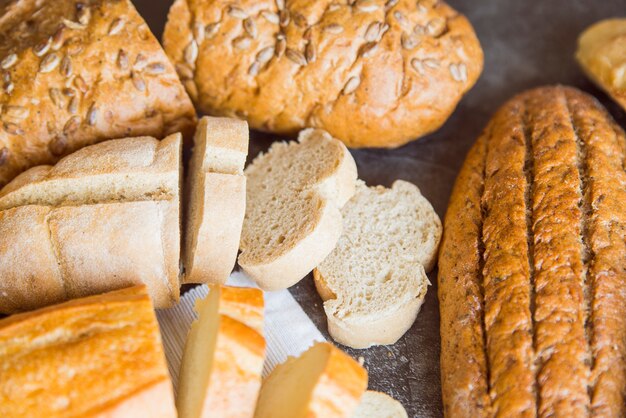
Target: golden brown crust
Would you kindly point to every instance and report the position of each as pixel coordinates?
(371, 72)
(91, 70)
(554, 250)
(97, 356)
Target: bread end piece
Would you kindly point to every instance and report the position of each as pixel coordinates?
(323, 382)
(293, 218)
(216, 189)
(379, 405)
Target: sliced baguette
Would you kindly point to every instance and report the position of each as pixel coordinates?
(293, 218)
(223, 358)
(324, 382)
(379, 405)
(216, 199)
(374, 281)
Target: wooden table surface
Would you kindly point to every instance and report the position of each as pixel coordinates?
(527, 44)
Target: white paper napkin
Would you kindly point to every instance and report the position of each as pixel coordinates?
(288, 330)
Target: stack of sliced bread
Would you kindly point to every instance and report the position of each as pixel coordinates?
(224, 354)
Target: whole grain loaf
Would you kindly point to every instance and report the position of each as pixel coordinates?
(370, 72)
(77, 72)
(532, 268)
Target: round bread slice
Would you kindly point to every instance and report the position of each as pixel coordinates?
(379, 405)
(293, 217)
(374, 281)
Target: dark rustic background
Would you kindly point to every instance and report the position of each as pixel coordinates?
(526, 44)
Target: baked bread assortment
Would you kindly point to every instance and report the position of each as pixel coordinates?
(97, 356)
(294, 195)
(77, 72)
(103, 218)
(224, 354)
(373, 73)
(216, 201)
(531, 267)
(323, 382)
(379, 405)
(602, 55)
(374, 281)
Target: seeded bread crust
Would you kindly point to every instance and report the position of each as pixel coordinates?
(99, 356)
(602, 55)
(532, 264)
(103, 218)
(78, 72)
(372, 73)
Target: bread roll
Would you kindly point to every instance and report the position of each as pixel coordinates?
(293, 219)
(373, 73)
(532, 285)
(602, 55)
(323, 382)
(224, 354)
(99, 356)
(216, 200)
(103, 218)
(79, 72)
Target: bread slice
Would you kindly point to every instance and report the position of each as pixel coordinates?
(216, 189)
(374, 281)
(106, 217)
(97, 356)
(379, 405)
(223, 358)
(293, 219)
(323, 382)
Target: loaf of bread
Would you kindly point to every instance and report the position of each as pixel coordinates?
(379, 405)
(99, 356)
(323, 382)
(374, 282)
(602, 55)
(224, 354)
(293, 218)
(375, 73)
(216, 200)
(78, 72)
(532, 278)
(103, 218)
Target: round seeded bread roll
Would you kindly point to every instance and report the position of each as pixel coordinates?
(372, 73)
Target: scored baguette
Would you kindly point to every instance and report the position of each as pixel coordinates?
(224, 353)
(379, 405)
(216, 201)
(293, 218)
(374, 282)
(99, 356)
(103, 218)
(323, 382)
(79, 72)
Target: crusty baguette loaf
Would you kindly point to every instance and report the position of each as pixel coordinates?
(379, 405)
(602, 53)
(323, 382)
(216, 201)
(103, 218)
(79, 72)
(373, 283)
(531, 270)
(223, 359)
(370, 72)
(294, 196)
(99, 356)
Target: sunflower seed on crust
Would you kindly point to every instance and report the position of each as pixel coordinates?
(73, 106)
(58, 38)
(270, 17)
(8, 61)
(409, 41)
(13, 129)
(198, 32)
(49, 63)
(155, 68)
(249, 26)
(280, 4)
(66, 66)
(333, 28)
(184, 71)
(373, 31)
(254, 68)
(399, 17)
(295, 56)
(300, 20)
(140, 62)
(191, 53)
(80, 84)
(191, 88)
(284, 17)
(458, 72)
(211, 30)
(241, 42)
(4, 156)
(116, 26)
(92, 114)
(8, 87)
(436, 27)
(265, 55)
(366, 6)
(367, 49)
(56, 97)
(138, 81)
(73, 25)
(390, 3)
(16, 112)
(71, 125)
(69, 92)
(84, 16)
(431, 63)
(351, 85)
(122, 60)
(310, 53)
(58, 145)
(42, 47)
(281, 46)
(236, 12)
